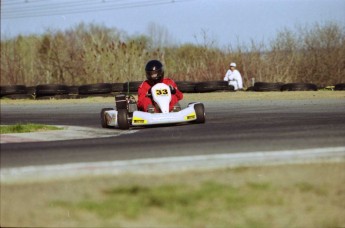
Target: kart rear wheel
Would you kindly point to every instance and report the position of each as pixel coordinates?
(104, 121)
(122, 119)
(200, 113)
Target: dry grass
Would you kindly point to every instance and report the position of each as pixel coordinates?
(29, 127)
(275, 196)
(93, 54)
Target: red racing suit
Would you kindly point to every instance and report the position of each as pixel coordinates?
(145, 87)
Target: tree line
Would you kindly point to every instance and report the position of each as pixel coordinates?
(92, 53)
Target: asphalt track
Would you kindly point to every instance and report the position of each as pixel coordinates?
(231, 127)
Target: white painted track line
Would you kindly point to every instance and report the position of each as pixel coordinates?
(172, 164)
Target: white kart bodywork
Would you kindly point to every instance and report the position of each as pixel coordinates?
(144, 118)
(161, 94)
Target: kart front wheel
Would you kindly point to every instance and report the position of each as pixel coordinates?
(200, 113)
(122, 119)
(104, 121)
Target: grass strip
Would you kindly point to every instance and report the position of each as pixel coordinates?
(24, 128)
(188, 203)
(202, 97)
(301, 195)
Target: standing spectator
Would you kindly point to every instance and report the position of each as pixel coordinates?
(234, 77)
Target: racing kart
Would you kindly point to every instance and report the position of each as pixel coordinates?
(126, 113)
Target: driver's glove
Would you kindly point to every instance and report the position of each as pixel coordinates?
(172, 89)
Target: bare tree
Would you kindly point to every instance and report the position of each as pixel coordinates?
(159, 35)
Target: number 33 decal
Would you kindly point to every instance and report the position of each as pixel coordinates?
(161, 92)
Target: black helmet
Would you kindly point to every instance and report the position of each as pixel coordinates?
(154, 71)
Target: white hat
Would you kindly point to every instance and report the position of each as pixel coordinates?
(233, 64)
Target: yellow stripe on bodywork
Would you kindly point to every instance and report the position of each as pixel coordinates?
(191, 116)
(138, 120)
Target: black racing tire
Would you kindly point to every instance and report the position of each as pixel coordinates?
(74, 90)
(120, 101)
(122, 119)
(51, 90)
(186, 86)
(340, 86)
(117, 87)
(299, 87)
(213, 86)
(131, 87)
(31, 90)
(12, 89)
(99, 88)
(103, 118)
(267, 86)
(200, 113)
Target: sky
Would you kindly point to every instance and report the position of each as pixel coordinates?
(225, 22)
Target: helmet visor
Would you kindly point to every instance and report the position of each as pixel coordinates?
(155, 74)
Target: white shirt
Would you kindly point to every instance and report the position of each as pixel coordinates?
(234, 78)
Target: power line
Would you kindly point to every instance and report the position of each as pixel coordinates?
(49, 6)
(19, 2)
(79, 7)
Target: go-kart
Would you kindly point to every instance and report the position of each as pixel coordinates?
(126, 114)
